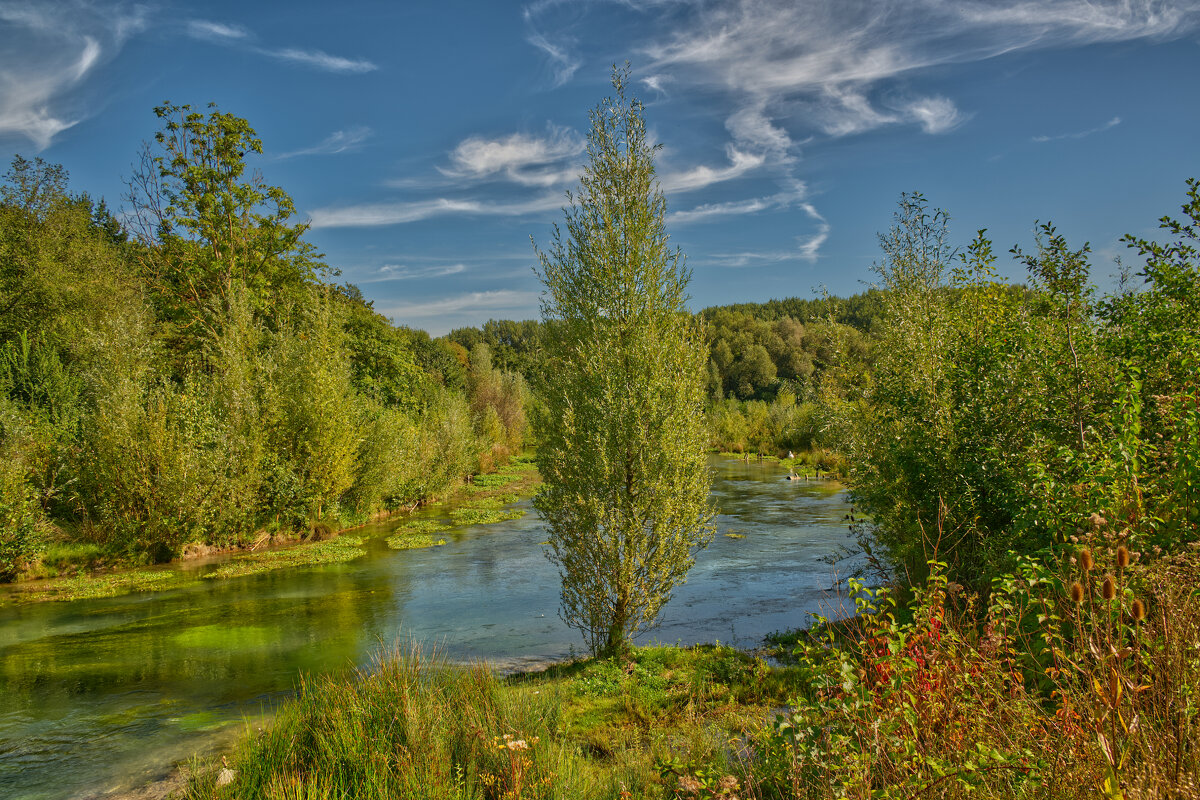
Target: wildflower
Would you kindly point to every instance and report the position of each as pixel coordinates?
(1138, 610)
(1109, 590)
(1122, 557)
(1076, 593)
(1085, 560)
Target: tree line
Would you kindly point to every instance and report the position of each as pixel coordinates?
(192, 373)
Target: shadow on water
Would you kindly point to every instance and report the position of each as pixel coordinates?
(100, 695)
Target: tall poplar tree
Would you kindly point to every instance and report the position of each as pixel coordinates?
(620, 431)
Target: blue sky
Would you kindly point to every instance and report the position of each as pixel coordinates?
(427, 142)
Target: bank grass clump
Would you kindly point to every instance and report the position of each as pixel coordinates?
(413, 725)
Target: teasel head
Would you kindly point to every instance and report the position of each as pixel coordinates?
(1138, 610)
(1076, 592)
(1109, 589)
(1122, 556)
(1085, 560)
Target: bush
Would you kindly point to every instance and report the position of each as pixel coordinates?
(19, 540)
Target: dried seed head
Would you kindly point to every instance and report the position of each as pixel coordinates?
(1076, 593)
(1085, 560)
(1138, 610)
(1097, 521)
(1109, 590)
(1122, 557)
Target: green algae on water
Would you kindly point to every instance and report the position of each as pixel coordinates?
(484, 516)
(413, 541)
(422, 526)
(91, 587)
(334, 551)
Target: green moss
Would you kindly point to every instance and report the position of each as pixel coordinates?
(413, 541)
(334, 551)
(422, 526)
(484, 516)
(87, 587)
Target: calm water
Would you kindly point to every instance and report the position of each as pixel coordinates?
(97, 696)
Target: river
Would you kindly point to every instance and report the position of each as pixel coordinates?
(98, 696)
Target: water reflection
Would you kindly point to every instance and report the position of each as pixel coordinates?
(99, 695)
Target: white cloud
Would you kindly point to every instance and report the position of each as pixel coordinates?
(321, 60)
(375, 214)
(50, 48)
(237, 35)
(832, 56)
(470, 308)
(1112, 123)
(562, 63)
(521, 158)
(401, 272)
(728, 209)
(740, 163)
(807, 248)
(334, 143)
(934, 114)
(215, 31)
(655, 83)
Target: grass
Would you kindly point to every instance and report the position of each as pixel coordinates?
(414, 726)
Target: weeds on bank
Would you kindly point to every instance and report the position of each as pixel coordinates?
(1080, 679)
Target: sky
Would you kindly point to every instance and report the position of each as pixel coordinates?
(427, 142)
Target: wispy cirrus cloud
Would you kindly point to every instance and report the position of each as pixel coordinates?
(50, 49)
(233, 35)
(521, 158)
(343, 141)
(560, 61)
(439, 316)
(1112, 123)
(698, 177)
(733, 208)
(403, 272)
(783, 71)
(216, 31)
(399, 213)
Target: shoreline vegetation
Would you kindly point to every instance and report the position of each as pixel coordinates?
(478, 502)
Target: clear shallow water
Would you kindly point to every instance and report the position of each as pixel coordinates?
(98, 696)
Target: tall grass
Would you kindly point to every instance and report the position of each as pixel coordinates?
(412, 726)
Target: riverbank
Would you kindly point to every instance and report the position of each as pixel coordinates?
(657, 722)
(480, 501)
(1052, 693)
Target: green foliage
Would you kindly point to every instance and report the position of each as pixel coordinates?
(978, 393)
(19, 540)
(620, 433)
